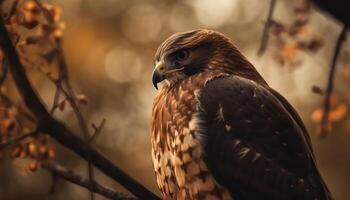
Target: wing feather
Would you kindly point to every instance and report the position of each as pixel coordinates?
(264, 153)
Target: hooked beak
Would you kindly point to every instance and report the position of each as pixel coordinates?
(161, 71)
(158, 73)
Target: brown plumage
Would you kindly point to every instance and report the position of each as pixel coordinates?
(220, 132)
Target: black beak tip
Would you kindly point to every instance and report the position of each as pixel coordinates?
(155, 85)
(156, 78)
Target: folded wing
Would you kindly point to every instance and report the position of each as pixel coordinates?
(256, 144)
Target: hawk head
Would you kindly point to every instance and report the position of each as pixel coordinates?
(188, 53)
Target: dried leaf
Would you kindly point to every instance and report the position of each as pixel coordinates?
(277, 28)
(289, 51)
(316, 115)
(82, 98)
(31, 13)
(2, 89)
(8, 124)
(33, 165)
(30, 23)
(23, 154)
(31, 7)
(57, 34)
(33, 40)
(62, 105)
(315, 44)
(51, 153)
(335, 115)
(317, 90)
(33, 150)
(16, 151)
(50, 56)
(301, 19)
(56, 13)
(43, 150)
(338, 113)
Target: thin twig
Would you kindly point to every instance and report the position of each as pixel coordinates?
(338, 9)
(266, 30)
(97, 130)
(3, 71)
(46, 13)
(330, 84)
(57, 83)
(64, 82)
(56, 99)
(12, 10)
(57, 129)
(17, 139)
(70, 96)
(68, 175)
(54, 179)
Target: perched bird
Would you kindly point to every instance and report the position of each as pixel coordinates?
(220, 132)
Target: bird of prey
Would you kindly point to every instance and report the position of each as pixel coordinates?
(220, 132)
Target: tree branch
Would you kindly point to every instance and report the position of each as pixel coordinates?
(339, 9)
(266, 30)
(57, 129)
(70, 96)
(97, 129)
(16, 139)
(61, 172)
(330, 84)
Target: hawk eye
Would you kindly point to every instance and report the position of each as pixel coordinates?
(182, 55)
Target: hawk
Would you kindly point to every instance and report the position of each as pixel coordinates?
(220, 132)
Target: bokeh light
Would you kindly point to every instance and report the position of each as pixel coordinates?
(214, 13)
(106, 8)
(141, 23)
(71, 7)
(122, 65)
(181, 17)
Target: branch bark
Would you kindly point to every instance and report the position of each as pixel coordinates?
(339, 9)
(70, 96)
(330, 85)
(58, 130)
(266, 30)
(16, 139)
(70, 176)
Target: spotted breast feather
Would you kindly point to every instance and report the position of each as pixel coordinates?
(177, 145)
(220, 132)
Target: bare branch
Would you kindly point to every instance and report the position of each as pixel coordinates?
(55, 104)
(61, 172)
(54, 179)
(57, 129)
(97, 130)
(16, 139)
(266, 30)
(12, 10)
(3, 64)
(70, 95)
(3, 71)
(338, 9)
(330, 85)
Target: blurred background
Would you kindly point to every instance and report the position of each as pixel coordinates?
(109, 46)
